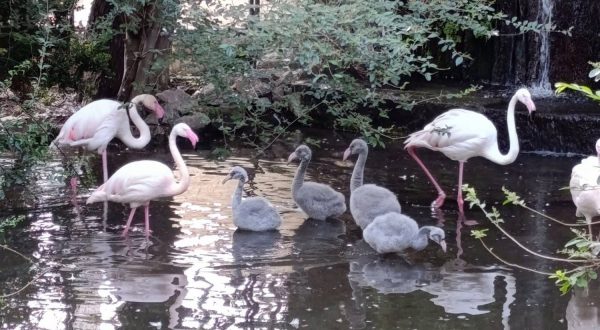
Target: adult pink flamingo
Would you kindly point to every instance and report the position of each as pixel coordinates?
(98, 122)
(461, 134)
(585, 189)
(139, 182)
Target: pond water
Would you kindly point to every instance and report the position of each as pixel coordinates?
(197, 271)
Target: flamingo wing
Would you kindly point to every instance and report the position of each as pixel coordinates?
(256, 213)
(92, 126)
(139, 182)
(458, 133)
(584, 174)
(315, 193)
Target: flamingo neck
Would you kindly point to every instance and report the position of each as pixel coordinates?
(126, 136)
(184, 180)
(359, 168)
(493, 152)
(420, 240)
(236, 200)
(299, 177)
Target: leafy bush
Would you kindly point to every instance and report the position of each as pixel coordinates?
(585, 90)
(349, 55)
(581, 251)
(28, 28)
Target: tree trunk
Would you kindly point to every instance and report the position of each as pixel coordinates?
(108, 86)
(133, 53)
(142, 49)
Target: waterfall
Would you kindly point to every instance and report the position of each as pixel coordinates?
(542, 86)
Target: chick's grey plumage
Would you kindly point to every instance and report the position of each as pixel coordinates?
(253, 213)
(394, 232)
(319, 201)
(370, 200)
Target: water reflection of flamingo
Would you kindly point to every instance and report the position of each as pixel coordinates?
(456, 286)
(582, 311)
(250, 248)
(462, 134)
(97, 123)
(137, 183)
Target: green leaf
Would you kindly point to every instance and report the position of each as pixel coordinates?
(479, 234)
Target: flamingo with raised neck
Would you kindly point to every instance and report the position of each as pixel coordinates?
(137, 183)
(461, 134)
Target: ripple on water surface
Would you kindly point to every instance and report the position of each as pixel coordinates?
(198, 271)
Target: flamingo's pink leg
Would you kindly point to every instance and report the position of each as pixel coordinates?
(459, 197)
(104, 166)
(441, 194)
(129, 221)
(147, 215)
(74, 185)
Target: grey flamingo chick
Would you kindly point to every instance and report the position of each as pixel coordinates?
(367, 201)
(394, 232)
(319, 201)
(253, 213)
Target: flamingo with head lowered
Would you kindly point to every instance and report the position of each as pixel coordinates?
(461, 134)
(137, 183)
(97, 123)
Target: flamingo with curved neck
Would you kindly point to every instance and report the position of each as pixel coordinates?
(461, 134)
(97, 123)
(139, 182)
(125, 134)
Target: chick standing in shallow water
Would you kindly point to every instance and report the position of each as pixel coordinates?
(394, 232)
(367, 201)
(317, 200)
(253, 213)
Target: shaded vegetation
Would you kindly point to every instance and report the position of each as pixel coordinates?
(291, 63)
(581, 252)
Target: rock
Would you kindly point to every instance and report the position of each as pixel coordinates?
(271, 60)
(255, 88)
(7, 93)
(195, 121)
(177, 101)
(204, 91)
(11, 118)
(278, 93)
